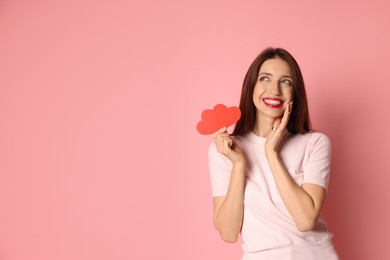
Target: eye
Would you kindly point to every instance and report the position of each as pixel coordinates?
(287, 82)
(263, 78)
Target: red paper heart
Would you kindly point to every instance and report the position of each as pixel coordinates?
(220, 116)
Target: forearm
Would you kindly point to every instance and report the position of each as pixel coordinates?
(298, 202)
(228, 217)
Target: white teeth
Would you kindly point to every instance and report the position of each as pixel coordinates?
(272, 102)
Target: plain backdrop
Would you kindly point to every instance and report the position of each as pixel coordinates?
(99, 100)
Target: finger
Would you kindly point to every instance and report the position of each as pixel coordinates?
(226, 138)
(226, 143)
(281, 123)
(276, 122)
(286, 115)
(219, 132)
(223, 141)
(222, 130)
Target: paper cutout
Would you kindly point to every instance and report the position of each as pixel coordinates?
(220, 116)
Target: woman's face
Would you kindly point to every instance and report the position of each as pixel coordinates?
(273, 89)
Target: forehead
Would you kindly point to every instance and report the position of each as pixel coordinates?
(275, 66)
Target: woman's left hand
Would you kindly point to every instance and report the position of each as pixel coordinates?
(275, 136)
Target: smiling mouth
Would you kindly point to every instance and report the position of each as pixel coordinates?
(273, 102)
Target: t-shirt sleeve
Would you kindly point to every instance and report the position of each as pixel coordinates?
(220, 170)
(317, 163)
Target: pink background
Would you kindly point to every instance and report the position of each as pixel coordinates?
(99, 156)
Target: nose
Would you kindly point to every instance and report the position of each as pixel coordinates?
(275, 88)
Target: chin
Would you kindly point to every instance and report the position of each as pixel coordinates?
(272, 115)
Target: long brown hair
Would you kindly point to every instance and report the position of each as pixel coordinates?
(299, 121)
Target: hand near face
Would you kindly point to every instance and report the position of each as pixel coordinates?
(226, 146)
(275, 136)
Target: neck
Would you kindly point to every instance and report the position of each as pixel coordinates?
(263, 126)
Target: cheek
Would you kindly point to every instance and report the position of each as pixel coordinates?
(254, 98)
(258, 90)
(289, 93)
(256, 94)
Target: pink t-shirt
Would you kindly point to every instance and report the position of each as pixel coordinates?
(268, 230)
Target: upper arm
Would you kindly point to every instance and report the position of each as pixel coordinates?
(317, 160)
(220, 171)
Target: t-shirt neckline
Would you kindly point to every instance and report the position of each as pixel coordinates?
(256, 138)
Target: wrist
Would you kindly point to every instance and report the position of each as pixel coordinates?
(239, 164)
(271, 154)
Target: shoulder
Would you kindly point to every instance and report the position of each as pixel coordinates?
(309, 138)
(306, 143)
(318, 145)
(319, 139)
(319, 136)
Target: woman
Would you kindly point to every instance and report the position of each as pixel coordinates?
(269, 179)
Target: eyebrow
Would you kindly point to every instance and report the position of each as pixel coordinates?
(265, 73)
(270, 74)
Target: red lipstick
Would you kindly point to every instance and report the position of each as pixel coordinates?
(273, 102)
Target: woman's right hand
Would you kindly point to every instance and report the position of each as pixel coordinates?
(226, 146)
